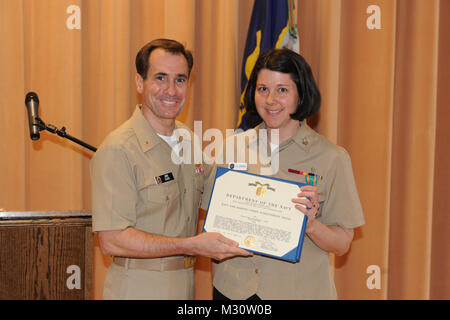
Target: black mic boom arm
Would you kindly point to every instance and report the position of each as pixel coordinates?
(62, 133)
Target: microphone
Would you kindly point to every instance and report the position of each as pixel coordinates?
(32, 104)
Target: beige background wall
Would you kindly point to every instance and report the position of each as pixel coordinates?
(385, 99)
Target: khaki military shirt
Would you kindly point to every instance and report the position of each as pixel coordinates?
(136, 184)
(310, 278)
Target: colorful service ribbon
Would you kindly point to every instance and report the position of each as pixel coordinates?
(310, 178)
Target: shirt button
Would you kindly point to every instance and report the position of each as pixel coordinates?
(256, 271)
(305, 141)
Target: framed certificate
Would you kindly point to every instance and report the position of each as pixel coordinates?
(257, 212)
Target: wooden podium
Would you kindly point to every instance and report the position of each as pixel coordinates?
(46, 255)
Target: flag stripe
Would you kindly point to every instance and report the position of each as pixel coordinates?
(272, 25)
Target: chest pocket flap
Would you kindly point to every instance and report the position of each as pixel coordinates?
(158, 193)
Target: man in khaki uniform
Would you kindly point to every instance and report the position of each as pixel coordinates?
(144, 205)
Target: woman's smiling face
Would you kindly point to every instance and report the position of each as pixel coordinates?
(276, 98)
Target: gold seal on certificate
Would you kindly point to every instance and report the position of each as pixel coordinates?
(249, 241)
(257, 212)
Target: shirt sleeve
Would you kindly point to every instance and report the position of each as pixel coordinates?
(114, 193)
(341, 205)
(208, 185)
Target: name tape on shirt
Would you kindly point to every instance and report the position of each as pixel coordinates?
(164, 178)
(241, 166)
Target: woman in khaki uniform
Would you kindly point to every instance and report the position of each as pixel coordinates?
(282, 92)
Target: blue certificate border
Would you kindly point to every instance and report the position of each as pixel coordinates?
(294, 254)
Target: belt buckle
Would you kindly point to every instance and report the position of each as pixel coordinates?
(189, 261)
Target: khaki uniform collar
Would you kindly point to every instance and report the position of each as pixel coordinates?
(303, 136)
(146, 135)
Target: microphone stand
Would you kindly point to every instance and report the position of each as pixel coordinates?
(62, 133)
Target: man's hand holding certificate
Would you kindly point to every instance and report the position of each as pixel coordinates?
(257, 212)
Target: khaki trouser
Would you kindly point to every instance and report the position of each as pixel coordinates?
(122, 283)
